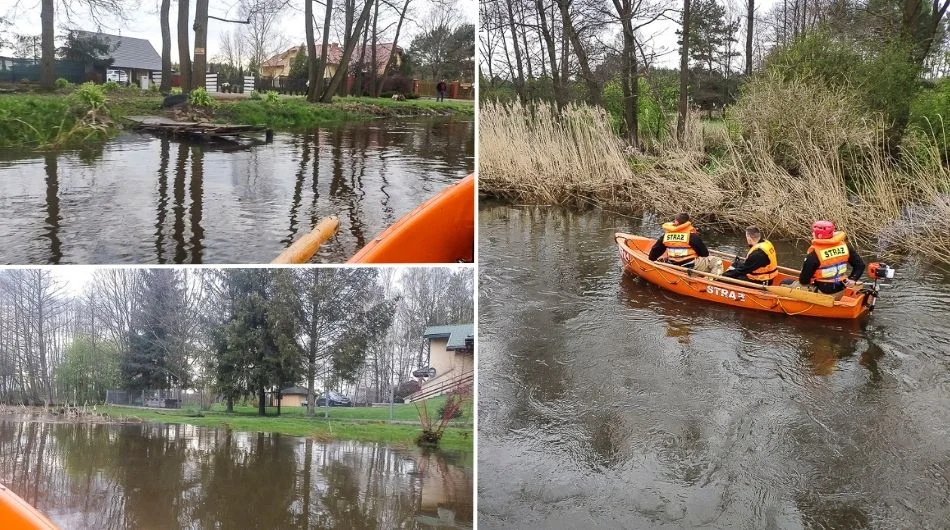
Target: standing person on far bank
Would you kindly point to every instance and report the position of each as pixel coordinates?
(440, 88)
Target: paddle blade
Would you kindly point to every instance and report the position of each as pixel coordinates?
(821, 299)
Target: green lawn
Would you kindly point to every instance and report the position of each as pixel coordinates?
(369, 424)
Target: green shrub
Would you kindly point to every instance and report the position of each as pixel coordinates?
(200, 97)
(62, 82)
(90, 96)
(110, 86)
(271, 96)
(175, 91)
(255, 95)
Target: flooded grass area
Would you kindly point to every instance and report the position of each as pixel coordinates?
(181, 476)
(342, 423)
(142, 199)
(607, 402)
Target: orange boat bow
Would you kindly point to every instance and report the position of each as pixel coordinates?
(17, 514)
(440, 230)
(634, 251)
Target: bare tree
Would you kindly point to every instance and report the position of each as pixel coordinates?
(184, 49)
(684, 76)
(166, 48)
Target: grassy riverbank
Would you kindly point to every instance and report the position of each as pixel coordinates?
(788, 157)
(369, 424)
(56, 120)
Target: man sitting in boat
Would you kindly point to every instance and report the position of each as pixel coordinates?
(683, 246)
(761, 262)
(826, 265)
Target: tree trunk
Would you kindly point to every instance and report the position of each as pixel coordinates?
(200, 67)
(684, 76)
(519, 80)
(279, 397)
(260, 403)
(184, 57)
(166, 48)
(392, 54)
(750, 18)
(374, 87)
(313, 64)
(593, 87)
(347, 52)
(230, 404)
(317, 95)
(48, 47)
(559, 98)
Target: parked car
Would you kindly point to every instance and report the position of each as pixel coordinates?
(336, 400)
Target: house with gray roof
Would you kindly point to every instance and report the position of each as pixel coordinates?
(133, 56)
(450, 360)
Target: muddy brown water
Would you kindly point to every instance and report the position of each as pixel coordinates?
(143, 199)
(88, 476)
(607, 402)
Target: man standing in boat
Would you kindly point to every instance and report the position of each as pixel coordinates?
(761, 262)
(826, 264)
(683, 246)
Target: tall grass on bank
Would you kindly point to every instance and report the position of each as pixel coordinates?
(528, 154)
(535, 154)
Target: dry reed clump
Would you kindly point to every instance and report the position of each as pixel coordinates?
(535, 154)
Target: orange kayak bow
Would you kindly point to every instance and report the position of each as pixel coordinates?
(440, 230)
(17, 514)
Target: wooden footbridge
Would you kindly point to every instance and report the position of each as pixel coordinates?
(232, 135)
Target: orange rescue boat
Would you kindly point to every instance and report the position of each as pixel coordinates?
(634, 251)
(440, 230)
(17, 514)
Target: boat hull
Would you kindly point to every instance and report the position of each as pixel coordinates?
(440, 230)
(17, 514)
(634, 252)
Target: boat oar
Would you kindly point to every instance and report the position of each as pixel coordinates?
(786, 270)
(305, 247)
(821, 299)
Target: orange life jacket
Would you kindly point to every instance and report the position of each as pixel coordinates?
(676, 241)
(766, 272)
(833, 255)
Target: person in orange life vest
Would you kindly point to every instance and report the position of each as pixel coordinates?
(761, 262)
(683, 246)
(828, 258)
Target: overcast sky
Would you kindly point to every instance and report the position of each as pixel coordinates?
(144, 22)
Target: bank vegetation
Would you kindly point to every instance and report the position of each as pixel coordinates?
(826, 119)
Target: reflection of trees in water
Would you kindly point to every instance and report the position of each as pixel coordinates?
(194, 211)
(245, 480)
(53, 216)
(171, 476)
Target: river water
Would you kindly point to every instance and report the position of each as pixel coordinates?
(143, 199)
(88, 476)
(607, 402)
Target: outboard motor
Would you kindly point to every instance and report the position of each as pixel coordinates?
(876, 271)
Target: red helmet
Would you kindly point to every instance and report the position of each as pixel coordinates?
(823, 229)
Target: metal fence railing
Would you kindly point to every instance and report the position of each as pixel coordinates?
(13, 70)
(159, 399)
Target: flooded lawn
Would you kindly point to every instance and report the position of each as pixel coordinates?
(143, 199)
(179, 476)
(607, 402)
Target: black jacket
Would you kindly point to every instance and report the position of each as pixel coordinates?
(694, 241)
(758, 258)
(811, 265)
